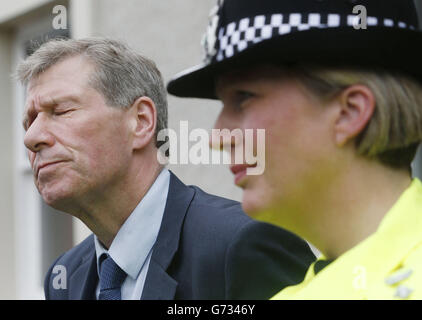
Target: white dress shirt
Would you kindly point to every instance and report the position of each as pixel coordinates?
(132, 247)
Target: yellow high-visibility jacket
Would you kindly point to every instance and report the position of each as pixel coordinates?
(386, 265)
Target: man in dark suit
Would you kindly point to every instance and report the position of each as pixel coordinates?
(94, 109)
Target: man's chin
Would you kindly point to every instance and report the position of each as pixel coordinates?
(58, 200)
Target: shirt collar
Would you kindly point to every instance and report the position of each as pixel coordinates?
(136, 237)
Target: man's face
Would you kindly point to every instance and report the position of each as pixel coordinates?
(298, 139)
(78, 146)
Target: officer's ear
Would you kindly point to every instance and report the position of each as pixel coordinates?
(355, 107)
(144, 122)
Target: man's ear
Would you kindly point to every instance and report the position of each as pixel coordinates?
(144, 115)
(357, 105)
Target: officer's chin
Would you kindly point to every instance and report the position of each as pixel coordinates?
(252, 203)
(263, 213)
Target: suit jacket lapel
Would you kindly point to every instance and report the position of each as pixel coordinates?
(83, 281)
(158, 283)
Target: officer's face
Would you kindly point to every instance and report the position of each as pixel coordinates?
(298, 141)
(77, 145)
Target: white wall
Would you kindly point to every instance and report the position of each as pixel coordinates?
(7, 265)
(169, 32)
(10, 9)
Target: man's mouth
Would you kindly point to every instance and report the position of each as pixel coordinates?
(47, 165)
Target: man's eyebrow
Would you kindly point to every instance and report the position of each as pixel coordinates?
(46, 103)
(59, 99)
(26, 116)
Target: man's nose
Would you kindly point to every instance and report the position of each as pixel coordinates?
(38, 136)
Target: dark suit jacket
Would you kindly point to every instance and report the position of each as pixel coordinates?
(207, 248)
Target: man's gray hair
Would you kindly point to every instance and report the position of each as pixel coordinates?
(121, 74)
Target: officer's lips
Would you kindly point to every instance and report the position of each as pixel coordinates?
(240, 173)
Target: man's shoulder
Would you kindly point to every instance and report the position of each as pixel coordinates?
(219, 215)
(72, 258)
(69, 261)
(214, 209)
(218, 225)
(204, 199)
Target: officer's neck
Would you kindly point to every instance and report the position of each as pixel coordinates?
(353, 206)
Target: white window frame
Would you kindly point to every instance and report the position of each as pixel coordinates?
(27, 201)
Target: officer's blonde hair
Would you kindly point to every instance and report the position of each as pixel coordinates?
(395, 129)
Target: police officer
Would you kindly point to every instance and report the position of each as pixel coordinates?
(337, 87)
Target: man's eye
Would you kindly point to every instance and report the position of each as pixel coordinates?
(61, 112)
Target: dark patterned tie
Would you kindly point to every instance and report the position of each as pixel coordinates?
(111, 279)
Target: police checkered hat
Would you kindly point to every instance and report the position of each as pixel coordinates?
(323, 32)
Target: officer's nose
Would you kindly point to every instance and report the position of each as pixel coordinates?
(225, 133)
(37, 135)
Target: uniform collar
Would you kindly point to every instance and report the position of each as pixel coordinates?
(372, 259)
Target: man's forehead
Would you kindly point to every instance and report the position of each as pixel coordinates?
(49, 95)
(74, 70)
(67, 78)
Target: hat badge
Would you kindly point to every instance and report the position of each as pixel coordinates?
(209, 39)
